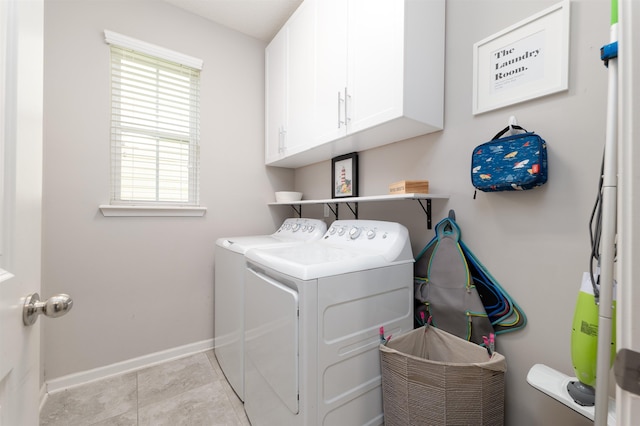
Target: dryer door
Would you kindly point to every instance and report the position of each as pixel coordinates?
(271, 342)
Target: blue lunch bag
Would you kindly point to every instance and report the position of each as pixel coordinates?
(513, 163)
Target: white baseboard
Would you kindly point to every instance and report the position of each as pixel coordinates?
(83, 377)
(43, 396)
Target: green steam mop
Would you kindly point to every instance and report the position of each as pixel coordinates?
(592, 341)
(584, 343)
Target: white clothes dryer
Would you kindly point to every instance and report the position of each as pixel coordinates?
(312, 319)
(229, 290)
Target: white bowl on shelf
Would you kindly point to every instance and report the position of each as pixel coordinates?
(288, 196)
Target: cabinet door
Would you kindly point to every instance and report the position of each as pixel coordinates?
(300, 77)
(331, 70)
(275, 96)
(375, 62)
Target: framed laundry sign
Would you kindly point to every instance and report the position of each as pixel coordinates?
(528, 60)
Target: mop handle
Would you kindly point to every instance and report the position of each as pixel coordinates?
(609, 198)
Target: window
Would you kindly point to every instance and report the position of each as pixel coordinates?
(155, 97)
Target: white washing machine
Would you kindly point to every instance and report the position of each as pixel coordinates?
(312, 319)
(230, 266)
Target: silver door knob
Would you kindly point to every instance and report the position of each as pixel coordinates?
(54, 307)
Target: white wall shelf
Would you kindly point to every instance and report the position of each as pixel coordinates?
(352, 203)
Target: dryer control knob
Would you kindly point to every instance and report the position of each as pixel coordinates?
(341, 231)
(371, 234)
(295, 227)
(332, 230)
(354, 232)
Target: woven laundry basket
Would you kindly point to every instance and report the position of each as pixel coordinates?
(431, 377)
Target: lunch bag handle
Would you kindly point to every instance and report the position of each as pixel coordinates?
(506, 129)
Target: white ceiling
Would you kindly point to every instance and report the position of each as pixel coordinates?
(257, 18)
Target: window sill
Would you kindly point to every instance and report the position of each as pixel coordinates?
(157, 211)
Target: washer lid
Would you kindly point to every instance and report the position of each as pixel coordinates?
(242, 244)
(292, 230)
(348, 246)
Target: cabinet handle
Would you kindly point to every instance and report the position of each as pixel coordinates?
(347, 119)
(281, 135)
(340, 101)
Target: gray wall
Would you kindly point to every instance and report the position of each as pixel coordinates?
(144, 285)
(536, 243)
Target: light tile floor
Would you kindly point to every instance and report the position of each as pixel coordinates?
(188, 391)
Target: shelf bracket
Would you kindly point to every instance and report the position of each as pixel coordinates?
(427, 209)
(298, 210)
(334, 211)
(354, 211)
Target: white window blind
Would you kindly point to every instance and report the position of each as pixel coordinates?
(155, 129)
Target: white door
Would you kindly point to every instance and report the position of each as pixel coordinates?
(628, 297)
(21, 81)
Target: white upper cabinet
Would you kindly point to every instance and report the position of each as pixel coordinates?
(289, 72)
(275, 96)
(330, 83)
(377, 78)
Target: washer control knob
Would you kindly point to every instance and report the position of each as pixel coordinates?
(371, 234)
(354, 232)
(332, 230)
(303, 228)
(341, 231)
(310, 228)
(295, 227)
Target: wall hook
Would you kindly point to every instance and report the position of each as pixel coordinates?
(512, 122)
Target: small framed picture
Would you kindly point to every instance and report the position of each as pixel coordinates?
(344, 176)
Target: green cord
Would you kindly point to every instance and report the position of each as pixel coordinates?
(614, 12)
